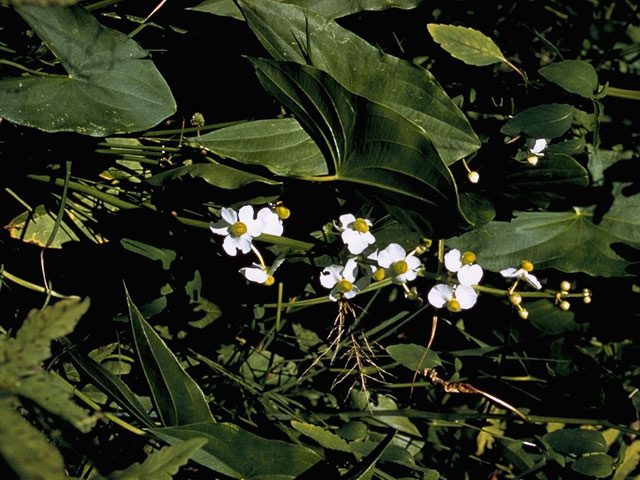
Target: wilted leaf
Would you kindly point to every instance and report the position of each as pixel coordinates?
(175, 394)
(576, 441)
(110, 88)
(36, 227)
(466, 44)
(544, 121)
(294, 34)
(281, 145)
(575, 76)
(237, 453)
(568, 241)
(328, 8)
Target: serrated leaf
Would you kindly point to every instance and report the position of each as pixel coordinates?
(161, 464)
(218, 175)
(568, 241)
(281, 145)
(111, 86)
(544, 121)
(466, 44)
(322, 436)
(237, 453)
(176, 396)
(574, 76)
(369, 146)
(294, 34)
(599, 465)
(328, 8)
(576, 441)
(26, 450)
(411, 355)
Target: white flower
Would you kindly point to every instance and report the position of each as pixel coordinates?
(355, 233)
(463, 264)
(272, 223)
(342, 280)
(460, 297)
(259, 274)
(537, 146)
(522, 274)
(239, 229)
(397, 264)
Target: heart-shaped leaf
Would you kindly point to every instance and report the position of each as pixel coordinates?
(291, 33)
(111, 86)
(369, 146)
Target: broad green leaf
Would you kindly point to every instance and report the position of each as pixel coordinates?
(36, 226)
(111, 385)
(599, 465)
(328, 8)
(550, 319)
(466, 44)
(176, 396)
(575, 76)
(323, 436)
(111, 86)
(281, 145)
(165, 255)
(161, 464)
(218, 175)
(544, 121)
(568, 241)
(600, 160)
(25, 449)
(410, 355)
(237, 453)
(369, 147)
(294, 34)
(576, 441)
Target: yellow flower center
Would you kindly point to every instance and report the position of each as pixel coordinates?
(378, 275)
(400, 267)
(269, 281)
(453, 305)
(238, 229)
(468, 258)
(283, 212)
(344, 286)
(361, 225)
(526, 265)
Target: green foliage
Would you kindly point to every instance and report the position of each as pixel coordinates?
(107, 73)
(575, 76)
(542, 121)
(466, 44)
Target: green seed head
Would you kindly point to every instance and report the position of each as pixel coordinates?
(269, 281)
(400, 267)
(453, 305)
(283, 212)
(378, 275)
(468, 258)
(526, 265)
(344, 286)
(361, 225)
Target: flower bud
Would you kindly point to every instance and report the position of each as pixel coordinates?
(269, 281)
(533, 160)
(515, 298)
(564, 305)
(526, 265)
(565, 286)
(523, 314)
(283, 212)
(473, 176)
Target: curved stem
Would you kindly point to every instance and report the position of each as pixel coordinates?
(29, 70)
(33, 286)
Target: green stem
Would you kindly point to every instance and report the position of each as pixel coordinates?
(623, 93)
(215, 126)
(101, 4)
(29, 70)
(32, 286)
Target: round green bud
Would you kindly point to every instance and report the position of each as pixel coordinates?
(344, 286)
(453, 305)
(468, 258)
(526, 265)
(400, 267)
(361, 225)
(238, 229)
(565, 286)
(283, 212)
(378, 275)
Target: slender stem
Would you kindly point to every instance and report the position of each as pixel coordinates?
(101, 4)
(29, 70)
(279, 307)
(623, 93)
(215, 126)
(32, 286)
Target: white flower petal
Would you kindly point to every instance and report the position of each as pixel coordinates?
(466, 296)
(391, 254)
(245, 214)
(453, 260)
(230, 245)
(346, 220)
(439, 295)
(349, 272)
(254, 274)
(510, 272)
(271, 222)
(413, 263)
(532, 280)
(470, 274)
(539, 146)
(330, 276)
(351, 293)
(219, 228)
(229, 215)
(356, 242)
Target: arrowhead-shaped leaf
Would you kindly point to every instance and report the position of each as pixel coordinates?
(575, 76)
(568, 241)
(466, 44)
(111, 86)
(294, 34)
(368, 146)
